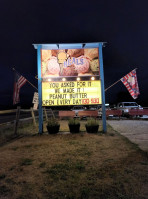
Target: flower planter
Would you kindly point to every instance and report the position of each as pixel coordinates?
(92, 129)
(74, 128)
(53, 129)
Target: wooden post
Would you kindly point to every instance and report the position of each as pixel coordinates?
(17, 119)
(33, 117)
(46, 116)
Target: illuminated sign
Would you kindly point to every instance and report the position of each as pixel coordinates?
(71, 93)
(71, 65)
(70, 62)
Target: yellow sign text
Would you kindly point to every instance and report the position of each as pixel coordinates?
(71, 93)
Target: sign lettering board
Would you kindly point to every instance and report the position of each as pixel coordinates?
(71, 93)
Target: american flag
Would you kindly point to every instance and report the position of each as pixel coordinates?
(130, 81)
(19, 82)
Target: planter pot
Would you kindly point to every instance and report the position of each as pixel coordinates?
(92, 129)
(74, 128)
(53, 129)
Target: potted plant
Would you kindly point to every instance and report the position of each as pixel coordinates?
(53, 126)
(92, 125)
(74, 125)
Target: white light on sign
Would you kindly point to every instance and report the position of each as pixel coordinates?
(92, 78)
(63, 79)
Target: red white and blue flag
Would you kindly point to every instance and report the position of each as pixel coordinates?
(130, 81)
(19, 82)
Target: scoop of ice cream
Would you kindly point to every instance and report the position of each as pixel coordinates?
(91, 53)
(55, 52)
(53, 66)
(69, 71)
(83, 66)
(94, 65)
(75, 52)
(45, 55)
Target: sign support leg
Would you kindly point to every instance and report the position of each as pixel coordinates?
(102, 87)
(40, 90)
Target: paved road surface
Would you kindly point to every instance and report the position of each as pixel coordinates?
(135, 130)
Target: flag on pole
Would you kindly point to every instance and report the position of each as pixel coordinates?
(131, 83)
(19, 82)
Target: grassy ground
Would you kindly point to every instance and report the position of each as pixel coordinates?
(72, 166)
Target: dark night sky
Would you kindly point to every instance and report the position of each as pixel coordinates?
(122, 24)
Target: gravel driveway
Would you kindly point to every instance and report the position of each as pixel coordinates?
(135, 130)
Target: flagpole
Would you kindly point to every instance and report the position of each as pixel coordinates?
(26, 79)
(113, 84)
(118, 81)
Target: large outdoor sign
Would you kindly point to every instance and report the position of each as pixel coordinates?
(71, 93)
(70, 62)
(70, 74)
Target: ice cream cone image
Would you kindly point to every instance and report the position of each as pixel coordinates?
(62, 56)
(61, 69)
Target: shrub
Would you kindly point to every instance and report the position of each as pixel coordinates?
(73, 121)
(92, 122)
(52, 122)
(53, 126)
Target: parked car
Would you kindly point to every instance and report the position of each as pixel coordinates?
(93, 107)
(76, 109)
(126, 106)
(96, 108)
(99, 108)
